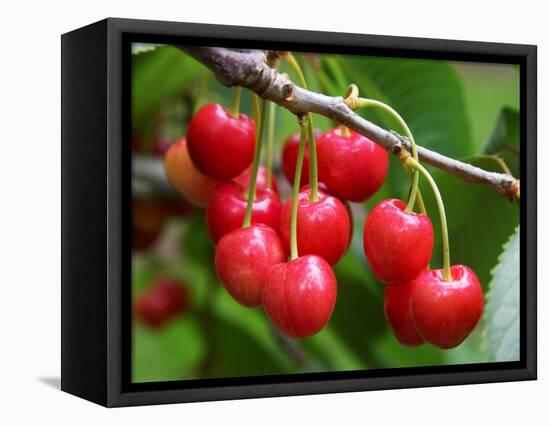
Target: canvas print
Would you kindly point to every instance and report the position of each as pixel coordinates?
(304, 212)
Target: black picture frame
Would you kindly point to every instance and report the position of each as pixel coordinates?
(96, 173)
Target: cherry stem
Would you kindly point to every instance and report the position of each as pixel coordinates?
(296, 191)
(362, 102)
(270, 138)
(256, 107)
(345, 131)
(201, 92)
(297, 68)
(419, 199)
(236, 102)
(313, 179)
(411, 162)
(499, 160)
(255, 166)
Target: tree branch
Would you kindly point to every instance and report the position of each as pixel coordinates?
(249, 69)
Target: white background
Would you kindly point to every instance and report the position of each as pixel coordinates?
(30, 212)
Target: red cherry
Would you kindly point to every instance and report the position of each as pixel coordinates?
(161, 302)
(221, 145)
(321, 187)
(396, 308)
(323, 227)
(150, 308)
(446, 312)
(173, 292)
(227, 206)
(290, 157)
(148, 218)
(261, 180)
(242, 259)
(299, 295)
(398, 244)
(352, 167)
(194, 186)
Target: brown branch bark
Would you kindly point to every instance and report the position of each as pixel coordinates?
(249, 69)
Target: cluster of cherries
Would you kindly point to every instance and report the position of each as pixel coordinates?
(216, 167)
(421, 304)
(164, 300)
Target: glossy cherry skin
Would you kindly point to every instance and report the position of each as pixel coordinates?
(398, 244)
(290, 158)
(161, 302)
(227, 206)
(221, 145)
(299, 296)
(242, 259)
(323, 188)
(261, 180)
(194, 186)
(352, 167)
(446, 312)
(396, 309)
(323, 227)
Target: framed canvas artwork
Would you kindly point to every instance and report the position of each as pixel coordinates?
(253, 212)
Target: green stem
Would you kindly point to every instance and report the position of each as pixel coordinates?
(236, 103)
(295, 191)
(297, 69)
(255, 166)
(361, 102)
(327, 85)
(336, 71)
(201, 92)
(501, 163)
(313, 182)
(411, 162)
(419, 199)
(345, 131)
(270, 138)
(256, 107)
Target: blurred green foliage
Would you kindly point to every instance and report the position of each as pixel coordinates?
(502, 311)
(466, 111)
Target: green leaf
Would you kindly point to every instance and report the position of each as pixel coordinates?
(489, 88)
(502, 309)
(197, 247)
(157, 76)
(504, 140)
(235, 353)
(428, 95)
(505, 135)
(334, 353)
(255, 324)
(358, 317)
(143, 273)
(167, 353)
(479, 219)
